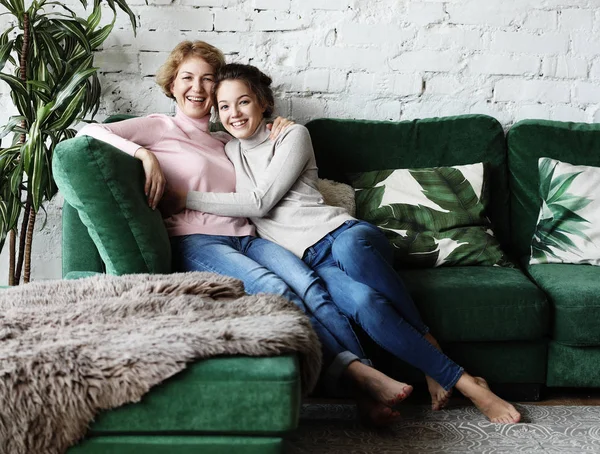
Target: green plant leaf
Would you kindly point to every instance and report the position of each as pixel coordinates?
(448, 188)
(560, 185)
(368, 200)
(70, 112)
(414, 250)
(68, 89)
(98, 37)
(5, 51)
(74, 30)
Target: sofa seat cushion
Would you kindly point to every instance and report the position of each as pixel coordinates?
(570, 366)
(239, 394)
(573, 296)
(478, 303)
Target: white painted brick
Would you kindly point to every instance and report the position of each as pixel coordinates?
(503, 64)
(197, 3)
(316, 80)
(277, 21)
(151, 61)
(534, 111)
(458, 86)
(596, 116)
(492, 109)
(585, 44)
(305, 109)
(586, 93)
(521, 42)
(476, 12)
(231, 21)
(278, 5)
(434, 107)
(353, 33)
(565, 67)
(160, 2)
(567, 113)
(595, 71)
(337, 81)
(114, 61)
(531, 90)
(176, 19)
(407, 84)
(576, 19)
(450, 37)
(361, 83)
(539, 19)
(383, 110)
(421, 13)
(339, 57)
(426, 60)
(331, 5)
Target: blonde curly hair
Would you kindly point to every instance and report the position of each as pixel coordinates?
(184, 50)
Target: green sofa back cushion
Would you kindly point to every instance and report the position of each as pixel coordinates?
(105, 186)
(350, 146)
(529, 140)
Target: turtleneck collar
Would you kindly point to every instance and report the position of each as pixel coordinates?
(260, 136)
(198, 123)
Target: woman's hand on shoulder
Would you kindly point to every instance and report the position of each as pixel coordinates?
(154, 187)
(279, 125)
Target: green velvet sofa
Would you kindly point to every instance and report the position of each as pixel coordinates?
(522, 328)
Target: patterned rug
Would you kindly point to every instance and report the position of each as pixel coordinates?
(333, 429)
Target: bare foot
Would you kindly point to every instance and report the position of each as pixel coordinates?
(497, 410)
(377, 385)
(373, 413)
(439, 396)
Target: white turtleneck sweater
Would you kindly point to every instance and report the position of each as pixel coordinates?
(276, 184)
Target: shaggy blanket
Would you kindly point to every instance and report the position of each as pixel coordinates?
(70, 349)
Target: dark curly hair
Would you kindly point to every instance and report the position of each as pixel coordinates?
(257, 81)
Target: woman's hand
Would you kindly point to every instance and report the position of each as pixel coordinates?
(154, 187)
(278, 126)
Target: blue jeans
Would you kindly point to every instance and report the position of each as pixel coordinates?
(265, 267)
(354, 261)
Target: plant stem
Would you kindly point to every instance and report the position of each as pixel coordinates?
(22, 238)
(11, 254)
(27, 271)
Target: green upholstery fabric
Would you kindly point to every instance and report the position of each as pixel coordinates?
(344, 146)
(498, 362)
(478, 303)
(573, 366)
(105, 186)
(529, 140)
(573, 292)
(79, 274)
(79, 253)
(182, 444)
(238, 395)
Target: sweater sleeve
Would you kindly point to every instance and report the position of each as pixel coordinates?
(292, 152)
(128, 135)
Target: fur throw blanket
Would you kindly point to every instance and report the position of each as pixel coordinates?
(72, 348)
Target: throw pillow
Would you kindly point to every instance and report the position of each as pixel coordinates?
(432, 216)
(568, 227)
(337, 194)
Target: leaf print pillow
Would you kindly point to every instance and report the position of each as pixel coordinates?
(432, 216)
(568, 227)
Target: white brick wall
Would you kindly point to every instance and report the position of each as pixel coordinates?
(376, 59)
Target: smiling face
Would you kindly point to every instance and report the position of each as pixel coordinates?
(239, 109)
(192, 85)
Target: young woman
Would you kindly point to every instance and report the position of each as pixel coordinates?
(276, 188)
(180, 154)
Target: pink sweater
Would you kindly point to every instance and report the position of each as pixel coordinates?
(191, 158)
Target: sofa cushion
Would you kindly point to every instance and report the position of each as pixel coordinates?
(573, 366)
(478, 303)
(568, 226)
(433, 216)
(237, 395)
(573, 296)
(349, 146)
(529, 140)
(105, 186)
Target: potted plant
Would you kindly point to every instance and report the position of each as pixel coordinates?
(46, 57)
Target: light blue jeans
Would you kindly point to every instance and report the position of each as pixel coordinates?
(265, 267)
(354, 261)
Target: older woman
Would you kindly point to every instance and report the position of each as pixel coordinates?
(180, 154)
(276, 187)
